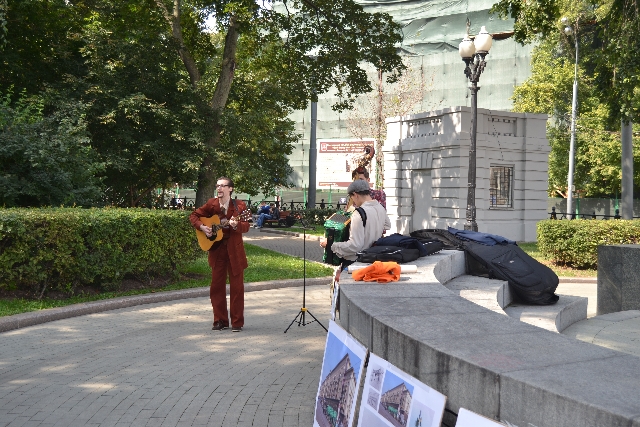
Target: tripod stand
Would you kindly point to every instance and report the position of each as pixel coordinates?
(300, 317)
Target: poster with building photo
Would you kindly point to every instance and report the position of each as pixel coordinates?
(392, 398)
(342, 368)
(466, 418)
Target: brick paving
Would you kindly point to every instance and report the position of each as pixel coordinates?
(290, 245)
(161, 365)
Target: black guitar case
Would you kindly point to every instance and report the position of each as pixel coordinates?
(448, 240)
(530, 281)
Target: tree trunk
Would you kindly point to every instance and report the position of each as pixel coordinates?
(626, 207)
(173, 18)
(206, 187)
(380, 122)
(207, 175)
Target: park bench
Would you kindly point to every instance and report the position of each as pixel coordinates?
(285, 220)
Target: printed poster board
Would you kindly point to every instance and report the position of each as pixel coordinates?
(392, 398)
(334, 161)
(342, 368)
(466, 418)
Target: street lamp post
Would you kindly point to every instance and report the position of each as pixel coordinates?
(574, 107)
(313, 156)
(313, 151)
(473, 54)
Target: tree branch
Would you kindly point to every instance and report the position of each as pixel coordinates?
(223, 86)
(176, 29)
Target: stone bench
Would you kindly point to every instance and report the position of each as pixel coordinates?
(487, 362)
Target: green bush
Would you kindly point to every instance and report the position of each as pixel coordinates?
(315, 216)
(575, 243)
(61, 248)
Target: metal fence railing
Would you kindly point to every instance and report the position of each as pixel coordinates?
(575, 215)
(292, 205)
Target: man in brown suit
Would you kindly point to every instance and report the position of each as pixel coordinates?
(226, 256)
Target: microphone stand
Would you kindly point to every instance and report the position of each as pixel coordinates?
(300, 317)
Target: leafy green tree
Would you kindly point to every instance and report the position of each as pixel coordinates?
(610, 27)
(165, 100)
(3, 22)
(606, 95)
(39, 43)
(46, 160)
(145, 123)
(313, 46)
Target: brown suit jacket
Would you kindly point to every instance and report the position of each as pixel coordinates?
(234, 244)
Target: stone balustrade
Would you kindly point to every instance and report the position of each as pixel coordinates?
(485, 361)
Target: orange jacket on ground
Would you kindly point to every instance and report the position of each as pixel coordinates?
(381, 272)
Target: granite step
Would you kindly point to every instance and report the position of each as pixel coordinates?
(496, 296)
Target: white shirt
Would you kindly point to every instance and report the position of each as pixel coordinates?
(363, 237)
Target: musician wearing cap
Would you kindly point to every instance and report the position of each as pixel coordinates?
(361, 236)
(379, 195)
(226, 256)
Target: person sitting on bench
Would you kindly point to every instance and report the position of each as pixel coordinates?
(265, 216)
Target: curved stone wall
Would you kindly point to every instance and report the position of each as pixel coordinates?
(489, 363)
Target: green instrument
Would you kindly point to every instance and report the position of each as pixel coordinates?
(336, 230)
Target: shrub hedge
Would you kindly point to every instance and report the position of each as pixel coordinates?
(575, 242)
(315, 216)
(60, 248)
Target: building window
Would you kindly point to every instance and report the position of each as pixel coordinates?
(501, 186)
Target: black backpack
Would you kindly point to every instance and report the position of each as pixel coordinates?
(530, 281)
(424, 246)
(388, 253)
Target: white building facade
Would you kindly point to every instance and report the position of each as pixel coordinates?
(426, 171)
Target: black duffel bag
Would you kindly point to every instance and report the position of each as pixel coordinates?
(388, 253)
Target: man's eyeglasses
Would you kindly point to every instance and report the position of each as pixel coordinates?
(222, 185)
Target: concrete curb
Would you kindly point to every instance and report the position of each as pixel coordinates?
(22, 320)
(282, 232)
(289, 233)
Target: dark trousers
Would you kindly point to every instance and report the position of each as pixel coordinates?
(220, 268)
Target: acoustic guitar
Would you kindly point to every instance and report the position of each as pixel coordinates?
(216, 228)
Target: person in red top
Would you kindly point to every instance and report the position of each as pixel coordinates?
(379, 195)
(226, 256)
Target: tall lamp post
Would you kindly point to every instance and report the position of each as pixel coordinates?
(568, 29)
(313, 151)
(473, 53)
(313, 156)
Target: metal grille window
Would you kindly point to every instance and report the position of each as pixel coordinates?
(501, 186)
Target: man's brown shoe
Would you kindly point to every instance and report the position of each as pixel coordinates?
(236, 328)
(218, 326)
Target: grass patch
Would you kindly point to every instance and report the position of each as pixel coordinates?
(264, 265)
(532, 250)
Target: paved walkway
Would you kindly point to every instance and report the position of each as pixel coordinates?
(271, 239)
(161, 365)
